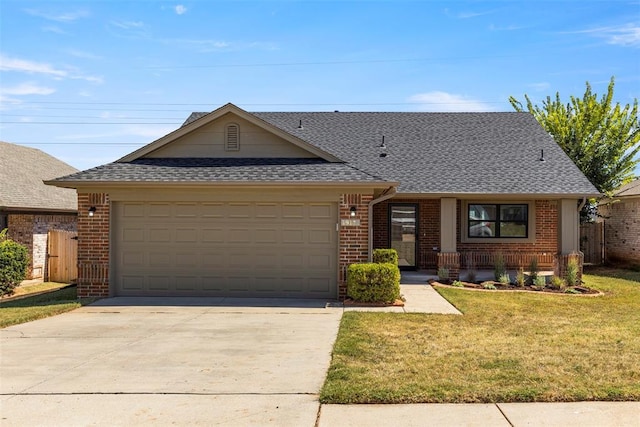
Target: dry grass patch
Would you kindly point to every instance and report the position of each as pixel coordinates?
(506, 348)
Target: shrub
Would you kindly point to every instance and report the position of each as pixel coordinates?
(504, 279)
(443, 274)
(557, 283)
(533, 269)
(14, 260)
(373, 282)
(488, 285)
(499, 267)
(520, 277)
(472, 272)
(571, 275)
(539, 283)
(382, 256)
(457, 284)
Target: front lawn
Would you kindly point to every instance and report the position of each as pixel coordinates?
(507, 347)
(40, 306)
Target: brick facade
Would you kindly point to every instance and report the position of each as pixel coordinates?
(353, 239)
(93, 245)
(622, 231)
(545, 246)
(32, 230)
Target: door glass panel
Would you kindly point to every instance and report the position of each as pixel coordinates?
(403, 234)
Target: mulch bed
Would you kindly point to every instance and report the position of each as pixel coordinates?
(478, 286)
(351, 303)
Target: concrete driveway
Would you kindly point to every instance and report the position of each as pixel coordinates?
(131, 361)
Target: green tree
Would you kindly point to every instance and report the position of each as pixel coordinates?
(14, 260)
(602, 139)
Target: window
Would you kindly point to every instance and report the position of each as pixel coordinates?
(498, 220)
(232, 137)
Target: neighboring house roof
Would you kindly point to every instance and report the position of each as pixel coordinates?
(631, 189)
(426, 153)
(22, 172)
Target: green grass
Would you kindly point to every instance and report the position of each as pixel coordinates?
(40, 306)
(507, 347)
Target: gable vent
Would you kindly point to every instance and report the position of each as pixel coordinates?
(232, 137)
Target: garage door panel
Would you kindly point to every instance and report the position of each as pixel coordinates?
(225, 249)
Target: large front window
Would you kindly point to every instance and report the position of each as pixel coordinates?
(498, 220)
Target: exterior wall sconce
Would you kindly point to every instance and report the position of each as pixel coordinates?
(92, 210)
(352, 211)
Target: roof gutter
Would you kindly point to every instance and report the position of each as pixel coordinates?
(386, 194)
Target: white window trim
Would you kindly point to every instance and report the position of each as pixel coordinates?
(464, 222)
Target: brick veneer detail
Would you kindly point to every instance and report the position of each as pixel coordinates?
(93, 245)
(353, 240)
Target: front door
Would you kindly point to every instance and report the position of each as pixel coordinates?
(403, 232)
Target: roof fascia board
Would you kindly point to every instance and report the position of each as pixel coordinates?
(219, 184)
(216, 114)
(494, 196)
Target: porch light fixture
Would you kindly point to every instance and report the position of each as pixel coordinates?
(92, 210)
(352, 211)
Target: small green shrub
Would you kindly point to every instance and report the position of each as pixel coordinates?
(533, 269)
(14, 261)
(443, 273)
(488, 285)
(373, 282)
(504, 279)
(499, 266)
(572, 291)
(457, 284)
(521, 279)
(382, 256)
(557, 283)
(572, 273)
(539, 283)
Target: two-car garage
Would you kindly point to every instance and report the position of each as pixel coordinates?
(220, 248)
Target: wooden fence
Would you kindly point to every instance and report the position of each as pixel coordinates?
(591, 242)
(63, 256)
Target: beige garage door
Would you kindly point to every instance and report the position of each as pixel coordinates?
(225, 249)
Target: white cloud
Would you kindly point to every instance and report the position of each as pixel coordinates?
(539, 87)
(128, 25)
(58, 17)
(31, 67)
(54, 29)
(448, 102)
(621, 35)
(180, 9)
(27, 89)
(82, 54)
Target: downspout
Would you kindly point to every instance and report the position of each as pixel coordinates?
(386, 194)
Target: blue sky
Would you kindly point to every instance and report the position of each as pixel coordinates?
(90, 81)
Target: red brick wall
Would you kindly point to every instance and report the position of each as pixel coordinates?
(622, 231)
(353, 240)
(429, 231)
(428, 228)
(93, 245)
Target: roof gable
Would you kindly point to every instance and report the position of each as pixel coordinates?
(22, 172)
(631, 189)
(204, 137)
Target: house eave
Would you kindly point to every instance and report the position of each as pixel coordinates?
(203, 184)
(496, 196)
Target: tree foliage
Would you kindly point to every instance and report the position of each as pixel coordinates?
(601, 138)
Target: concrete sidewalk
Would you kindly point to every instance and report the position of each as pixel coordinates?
(578, 414)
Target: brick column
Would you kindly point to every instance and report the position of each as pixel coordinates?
(450, 261)
(93, 245)
(353, 241)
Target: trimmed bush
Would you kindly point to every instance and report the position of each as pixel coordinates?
(373, 282)
(14, 260)
(383, 256)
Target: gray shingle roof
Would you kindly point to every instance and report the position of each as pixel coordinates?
(205, 170)
(427, 153)
(495, 153)
(22, 172)
(631, 189)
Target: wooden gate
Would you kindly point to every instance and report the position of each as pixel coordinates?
(62, 256)
(591, 243)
